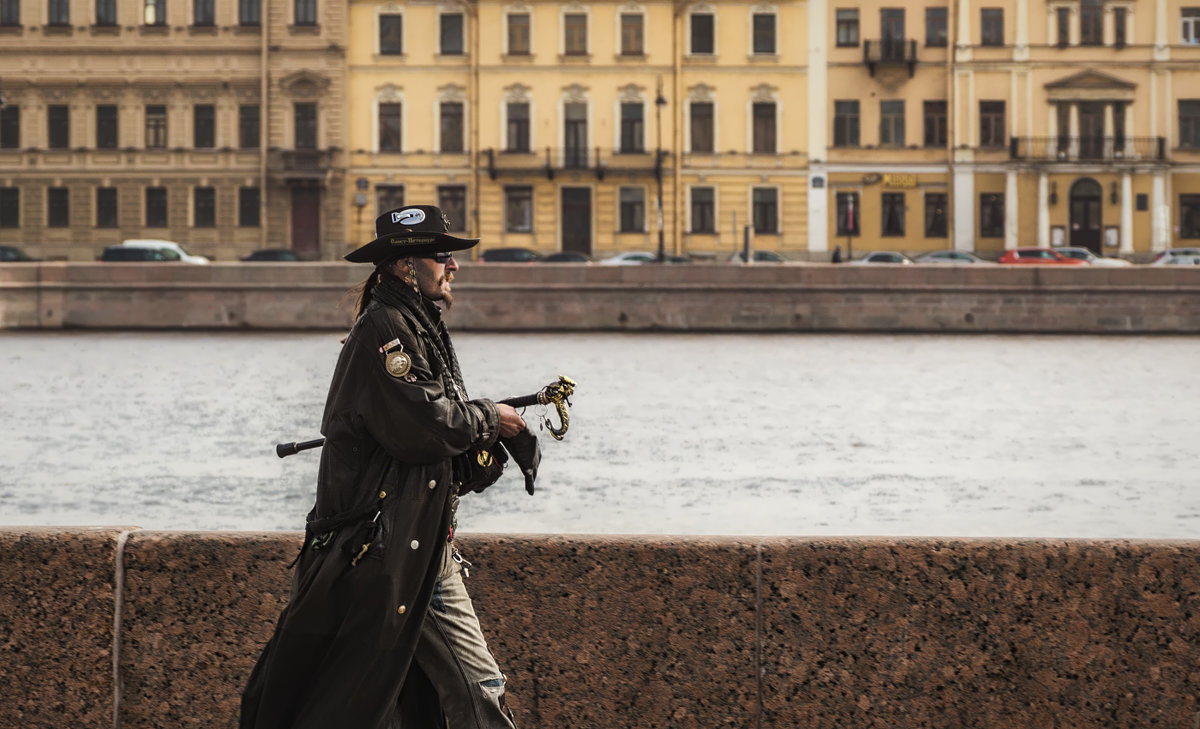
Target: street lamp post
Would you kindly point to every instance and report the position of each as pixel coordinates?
(659, 102)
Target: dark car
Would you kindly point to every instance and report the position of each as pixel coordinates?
(132, 254)
(13, 254)
(272, 254)
(760, 256)
(566, 257)
(508, 255)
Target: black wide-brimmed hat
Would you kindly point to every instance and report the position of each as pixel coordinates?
(413, 230)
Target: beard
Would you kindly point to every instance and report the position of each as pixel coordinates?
(432, 288)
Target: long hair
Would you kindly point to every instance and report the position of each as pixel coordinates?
(362, 292)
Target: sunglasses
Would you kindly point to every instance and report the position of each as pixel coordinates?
(440, 256)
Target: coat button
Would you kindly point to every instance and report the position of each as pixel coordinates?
(382, 494)
(401, 609)
(432, 484)
(414, 544)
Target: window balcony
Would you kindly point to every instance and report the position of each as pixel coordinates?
(549, 160)
(301, 166)
(890, 52)
(1088, 149)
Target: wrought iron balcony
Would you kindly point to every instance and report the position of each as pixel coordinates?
(890, 52)
(301, 165)
(1088, 149)
(548, 160)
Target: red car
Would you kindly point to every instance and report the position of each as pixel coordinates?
(1039, 256)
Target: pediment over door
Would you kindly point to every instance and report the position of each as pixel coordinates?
(1090, 86)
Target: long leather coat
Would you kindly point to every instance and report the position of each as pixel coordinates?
(343, 647)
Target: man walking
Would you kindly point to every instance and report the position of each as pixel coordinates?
(380, 631)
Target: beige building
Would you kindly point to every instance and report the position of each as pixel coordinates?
(215, 123)
(560, 126)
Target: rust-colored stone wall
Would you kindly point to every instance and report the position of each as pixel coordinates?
(696, 297)
(643, 632)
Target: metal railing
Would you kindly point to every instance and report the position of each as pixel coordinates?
(549, 160)
(890, 52)
(1088, 149)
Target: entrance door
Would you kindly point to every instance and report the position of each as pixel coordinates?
(891, 22)
(306, 222)
(1086, 224)
(577, 219)
(1091, 130)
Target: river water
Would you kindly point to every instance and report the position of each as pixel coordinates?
(670, 434)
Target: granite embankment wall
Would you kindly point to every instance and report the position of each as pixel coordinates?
(700, 297)
(160, 629)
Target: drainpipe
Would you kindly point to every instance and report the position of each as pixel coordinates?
(676, 131)
(264, 114)
(951, 107)
(473, 104)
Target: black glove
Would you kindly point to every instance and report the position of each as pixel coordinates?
(524, 449)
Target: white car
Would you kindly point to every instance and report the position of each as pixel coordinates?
(1178, 256)
(630, 258)
(165, 245)
(950, 256)
(882, 257)
(1084, 254)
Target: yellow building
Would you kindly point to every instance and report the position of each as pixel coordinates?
(560, 126)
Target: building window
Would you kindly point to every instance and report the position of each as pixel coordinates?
(847, 214)
(248, 126)
(388, 197)
(891, 123)
(935, 215)
(58, 207)
(389, 127)
(631, 34)
(991, 215)
(156, 207)
(703, 136)
(764, 127)
(1091, 23)
(204, 207)
(452, 34)
(10, 14)
(203, 13)
(452, 199)
(764, 34)
(575, 134)
(991, 124)
(766, 211)
(391, 35)
(575, 34)
(58, 126)
(1063, 17)
(1120, 23)
(845, 124)
(249, 13)
(106, 126)
(10, 207)
(704, 218)
(935, 123)
(935, 27)
(304, 117)
(156, 126)
(106, 207)
(632, 131)
(992, 26)
(306, 12)
(518, 34)
(248, 203)
(59, 12)
(452, 126)
(1189, 216)
(1189, 123)
(10, 126)
(847, 27)
(702, 34)
(154, 12)
(204, 119)
(1190, 25)
(106, 13)
(518, 126)
(633, 210)
(892, 218)
(518, 209)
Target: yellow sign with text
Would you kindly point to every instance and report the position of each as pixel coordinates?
(899, 180)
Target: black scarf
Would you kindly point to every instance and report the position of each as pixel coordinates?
(393, 292)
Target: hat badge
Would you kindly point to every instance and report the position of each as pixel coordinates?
(411, 216)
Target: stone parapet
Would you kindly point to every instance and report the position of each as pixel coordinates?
(645, 632)
(696, 297)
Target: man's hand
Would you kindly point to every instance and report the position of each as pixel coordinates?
(511, 421)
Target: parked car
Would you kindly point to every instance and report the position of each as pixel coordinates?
(566, 257)
(883, 257)
(1039, 256)
(1173, 256)
(135, 254)
(1087, 256)
(165, 245)
(12, 254)
(758, 257)
(949, 256)
(508, 255)
(630, 258)
(272, 254)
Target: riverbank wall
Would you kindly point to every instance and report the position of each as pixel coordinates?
(694, 297)
(114, 627)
